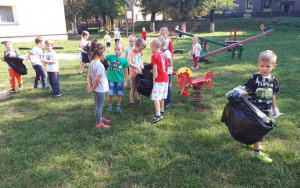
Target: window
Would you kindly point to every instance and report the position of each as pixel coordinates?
(6, 14)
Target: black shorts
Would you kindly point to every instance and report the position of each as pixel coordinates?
(108, 44)
(116, 40)
(145, 38)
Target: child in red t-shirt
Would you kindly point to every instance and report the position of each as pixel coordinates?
(144, 33)
(160, 79)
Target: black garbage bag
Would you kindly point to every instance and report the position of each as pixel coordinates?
(246, 123)
(16, 64)
(145, 81)
(105, 63)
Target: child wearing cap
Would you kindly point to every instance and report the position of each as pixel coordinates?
(10, 52)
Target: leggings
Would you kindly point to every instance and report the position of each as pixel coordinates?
(195, 58)
(13, 74)
(99, 101)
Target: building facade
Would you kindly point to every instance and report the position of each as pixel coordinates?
(24, 20)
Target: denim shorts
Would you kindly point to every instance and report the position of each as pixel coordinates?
(115, 88)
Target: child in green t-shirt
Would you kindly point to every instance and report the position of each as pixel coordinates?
(117, 75)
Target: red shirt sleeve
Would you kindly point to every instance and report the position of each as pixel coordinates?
(153, 60)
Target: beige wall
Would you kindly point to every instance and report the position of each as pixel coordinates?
(34, 18)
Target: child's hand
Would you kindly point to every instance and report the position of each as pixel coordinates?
(2, 59)
(89, 89)
(125, 84)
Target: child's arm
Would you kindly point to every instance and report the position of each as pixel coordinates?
(274, 101)
(126, 77)
(154, 72)
(89, 87)
(30, 58)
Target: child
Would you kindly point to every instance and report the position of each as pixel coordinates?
(51, 61)
(144, 34)
(262, 88)
(168, 54)
(136, 65)
(12, 74)
(117, 66)
(195, 52)
(183, 28)
(117, 35)
(97, 82)
(131, 40)
(160, 79)
(164, 32)
(83, 54)
(107, 40)
(35, 58)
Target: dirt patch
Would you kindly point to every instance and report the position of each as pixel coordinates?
(202, 110)
(182, 101)
(227, 73)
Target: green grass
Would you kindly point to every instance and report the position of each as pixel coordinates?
(46, 142)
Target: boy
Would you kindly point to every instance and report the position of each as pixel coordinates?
(107, 41)
(83, 54)
(117, 66)
(144, 34)
(160, 79)
(51, 62)
(12, 74)
(262, 88)
(35, 58)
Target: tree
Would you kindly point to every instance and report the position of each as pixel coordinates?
(116, 9)
(150, 7)
(211, 5)
(72, 8)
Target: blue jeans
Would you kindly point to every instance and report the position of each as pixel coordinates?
(168, 99)
(99, 101)
(115, 88)
(54, 81)
(40, 74)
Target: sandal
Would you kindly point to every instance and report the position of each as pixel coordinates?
(139, 102)
(107, 120)
(132, 105)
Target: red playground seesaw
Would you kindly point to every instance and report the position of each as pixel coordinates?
(184, 80)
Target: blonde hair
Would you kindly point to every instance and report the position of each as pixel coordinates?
(140, 42)
(132, 36)
(120, 44)
(164, 30)
(195, 37)
(49, 42)
(268, 56)
(97, 49)
(163, 42)
(106, 32)
(156, 43)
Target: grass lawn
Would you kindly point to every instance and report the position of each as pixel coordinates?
(48, 142)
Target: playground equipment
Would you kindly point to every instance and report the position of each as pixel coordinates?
(184, 80)
(232, 47)
(233, 32)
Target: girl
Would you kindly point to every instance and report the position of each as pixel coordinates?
(195, 52)
(164, 32)
(136, 65)
(97, 82)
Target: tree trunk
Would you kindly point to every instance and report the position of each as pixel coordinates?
(74, 25)
(112, 23)
(152, 23)
(104, 22)
(212, 21)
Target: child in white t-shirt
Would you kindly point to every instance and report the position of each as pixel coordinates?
(51, 61)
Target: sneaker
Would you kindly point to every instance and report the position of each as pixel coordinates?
(13, 91)
(46, 87)
(21, 87)
(118, 109)
(102, 125)
(57, 94)
(157, 118)
(109, 108)
(167, 105)
(37, 86)
(263, 157)
(162, 113)
(132, 105)
(105, 119)
(80, 73)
